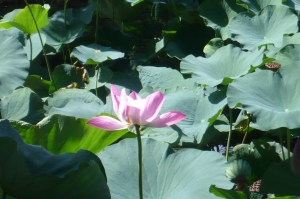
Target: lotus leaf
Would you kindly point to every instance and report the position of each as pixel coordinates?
(225, 64)
(23, 19)
(268, 27)
(65, 102)
(187, 173)
(59, 134)
(31, 172)
(271, 98)
(95, 54)
(14, 64)
(29, 108)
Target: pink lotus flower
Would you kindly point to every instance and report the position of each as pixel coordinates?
(295, 162)
(132, 109)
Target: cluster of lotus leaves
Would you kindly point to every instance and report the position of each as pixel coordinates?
(231, 75)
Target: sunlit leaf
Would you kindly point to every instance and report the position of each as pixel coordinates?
(226, 64)
(268, 27)
(24, 21)
(166, 174)
(95, 54)
(59, 134)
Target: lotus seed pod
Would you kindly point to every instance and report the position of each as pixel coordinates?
(237, 169)
(295, 161)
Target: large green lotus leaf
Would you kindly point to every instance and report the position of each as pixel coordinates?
(159, 77)
(29, 109)
(225, 64)
(59, 134)
(268, 27)
(33, 45)
(58, 33)
(272, 50)
(201, 112)
(206, 112)
(14, 64)
(168, 134)
(288, 54)
(190, 39)
(187, 173)
(23, 20)
(226, 10)
(279, 179)
(74, 102)
(183, 100)
(257, 5)
(95, 54)
(30, 172)
(271, 98)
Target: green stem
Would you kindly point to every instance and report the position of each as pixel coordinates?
(281, 143)
(288, 138)
(97, 75)
(97, 22)
(29, 37)
(44, 51)
(65, 12)
(139, 139)
(71, 60)
(247, 130)
(229, 134)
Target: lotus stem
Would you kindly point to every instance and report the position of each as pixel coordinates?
(29, 37)
(139, 139)
(229, 134)
(288, 138)
(44, 51)
(97, 75)
(97, 19)
(247, 130)
(65, 12)
(281, 143)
